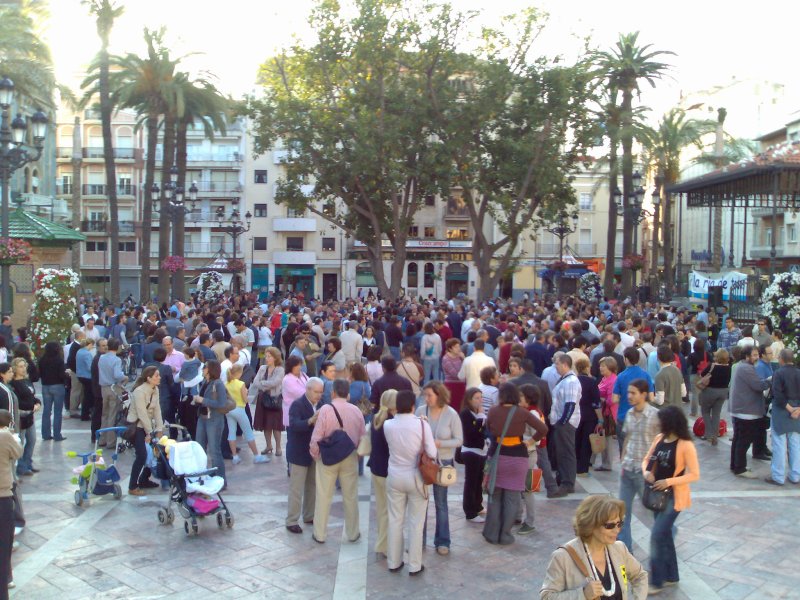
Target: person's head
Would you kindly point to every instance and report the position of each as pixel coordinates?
(301, 342)
(631, 356)
(638, 390)
(5, 418)
(294, 365)
(582, 366)
(327, 370)
(113, 345)
(314, 388)
(102, 345)
(489, 376)
(149, 375)
(6, 372)
(777, 334)
(436, 395)
(473, 398)
(508, 393)
(429, 328)
(53, 350)
(374, 353)
(231, 353)
(785, 357)
(673, 422)
(405, 402)
(564, 364)
(235, 372)
(340, 389)
(480, 345)
(358, 373)
(87, 343)
(665, 354)
(159, 355)
(334, 345)
(608, 366)
(217, 336)
(389, 364)
(531, 395)
(20, 368)
(750, 354)
(453, 346)
(515, 367)
(188, 352)
(730, 324)
(90, 324)
(765, 353)
(388, 408)
(272, 357)
(722, 357)
(599, 518)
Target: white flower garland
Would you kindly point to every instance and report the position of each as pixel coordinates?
(781, 303)
(54, 307)
(589, 289)
(210, 287)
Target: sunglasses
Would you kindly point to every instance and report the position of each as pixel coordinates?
(613, 525)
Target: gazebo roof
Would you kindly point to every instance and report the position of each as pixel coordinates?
(774, 173)
(33, 228)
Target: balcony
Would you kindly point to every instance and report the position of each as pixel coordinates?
(200, 249)
(105, 226)
(294, 257)
(97, 153)
(217, 187)
(99, 189)
(586, 249)
(548, 248)
(456, 209)
(305, 224)
(220, 157)
(781, 251)
(64, 152)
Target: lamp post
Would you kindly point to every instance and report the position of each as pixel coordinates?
(635, 213)
(561, 231)
(177, 209)
(13, 156)
(233, 226)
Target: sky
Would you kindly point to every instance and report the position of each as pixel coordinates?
(716, 42)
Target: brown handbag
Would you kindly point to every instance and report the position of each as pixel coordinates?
(427, 465)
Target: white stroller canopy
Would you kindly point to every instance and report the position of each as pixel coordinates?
(189, 457)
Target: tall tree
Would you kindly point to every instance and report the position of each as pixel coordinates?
(625, 66)
(77, 161)
(719, 154)
(105, 13)
(355, 110)
(664, 145)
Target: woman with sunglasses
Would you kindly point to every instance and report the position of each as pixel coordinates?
(595, 564)
(670, 464)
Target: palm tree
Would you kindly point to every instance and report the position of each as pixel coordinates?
(24, 57)
(204, 105)
(105, 13)
(625, 66)
(663, 147)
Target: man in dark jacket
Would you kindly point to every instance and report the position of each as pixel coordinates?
(97, 410)
(608, 351)
(747, 409)
(537, 354)
(785, 420)
(390, 380)
(302, 474)
(528, 376)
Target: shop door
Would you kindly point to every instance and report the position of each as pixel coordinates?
(329, 286)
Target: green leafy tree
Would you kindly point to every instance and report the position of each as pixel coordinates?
(355, 109)
(24, 56)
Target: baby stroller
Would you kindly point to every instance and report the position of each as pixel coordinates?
(193, 487)
(124, 399)
(95, 476)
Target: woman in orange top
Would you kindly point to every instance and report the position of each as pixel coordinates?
(671, 463)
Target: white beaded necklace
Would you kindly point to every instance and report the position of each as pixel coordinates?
(606, 593)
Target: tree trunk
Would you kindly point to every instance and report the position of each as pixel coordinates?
(179, 217)
(719, 154)
(668, 242)
(164, 215)
(627, 186)
(77, 161)
(111, 173)
(611, 234)
(145, 293)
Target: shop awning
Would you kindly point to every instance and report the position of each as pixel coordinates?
(294, 271)
(570, 273)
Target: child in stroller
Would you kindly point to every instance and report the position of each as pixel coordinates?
(193, 487)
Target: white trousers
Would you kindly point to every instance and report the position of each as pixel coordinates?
(406, 502)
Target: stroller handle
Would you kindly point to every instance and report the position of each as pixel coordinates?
(200, 473)
(114, 429)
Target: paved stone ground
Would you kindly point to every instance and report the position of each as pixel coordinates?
(739, 540)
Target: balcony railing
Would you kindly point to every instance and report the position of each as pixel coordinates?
(200, 249)
(105, 226)
(217, 186)
(585, 249)
(99, 189)
(64, 189)
(208, 157)
(120, 153)
(64, 152)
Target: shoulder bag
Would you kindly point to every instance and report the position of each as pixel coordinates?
(269, 401)
(577, 560)
(705, 380)
(447, 474)
(655, 500)
(490, 469)
(427, 465)
(337, 446)
(229, 405)
(365, 443)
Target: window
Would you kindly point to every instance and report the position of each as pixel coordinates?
(413, 231)
(295, 212)
(260, 176)
(413, 275)
(96, 246)
(259, 210)
(585, 202)
(430, 232)
(294, 244)
(430, 200)
(768, 233)
(329, 209)
(428, 275)
(328, 244)
(127, 246)
(259, 243)
(458, 234)
(791, 233)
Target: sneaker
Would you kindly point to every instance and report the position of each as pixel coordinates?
(525, 529)
(258, 459)
(670, 583)
(478, 519)
(15, 546)
(136, 492)
(442, 550)
(148, 484)
(772, 481)
(747, 475)
(18, 530)
(654, 589)
(236, 459)
(11, 585)
(557, 493)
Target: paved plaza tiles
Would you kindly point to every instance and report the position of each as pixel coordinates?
(739, 540)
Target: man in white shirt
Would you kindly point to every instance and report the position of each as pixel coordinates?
(90, 330)
(473, 364)
(565, 416)
(625, 339)
(90, 314)
(466, 326)
(231, 358)
(352, 343)
(550, 374)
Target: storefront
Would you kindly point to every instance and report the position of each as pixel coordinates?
(259, 280)
(456, 280)
(295, 279)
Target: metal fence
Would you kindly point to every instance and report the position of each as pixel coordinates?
(745, 299)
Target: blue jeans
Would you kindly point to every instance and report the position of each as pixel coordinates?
(431, 367)
(209, 436)
(663, 558)
(441, 536)
(630, 484)
(779, 446)
(53, 401)
(28, 436)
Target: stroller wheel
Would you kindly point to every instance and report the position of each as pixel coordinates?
(220, 520)
(170, 516)
(78, 498)
(229, 520)
(117, 492)
(186, 527)
(163, 516)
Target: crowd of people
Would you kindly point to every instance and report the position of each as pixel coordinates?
(510, 390)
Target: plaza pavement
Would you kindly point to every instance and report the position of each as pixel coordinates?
(738, 540)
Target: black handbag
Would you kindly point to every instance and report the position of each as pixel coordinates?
(655, 500)
(270, 402)
(337, 446)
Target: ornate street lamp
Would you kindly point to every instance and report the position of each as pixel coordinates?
(234, 227)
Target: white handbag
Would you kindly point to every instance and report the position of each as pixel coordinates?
(447, 476)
